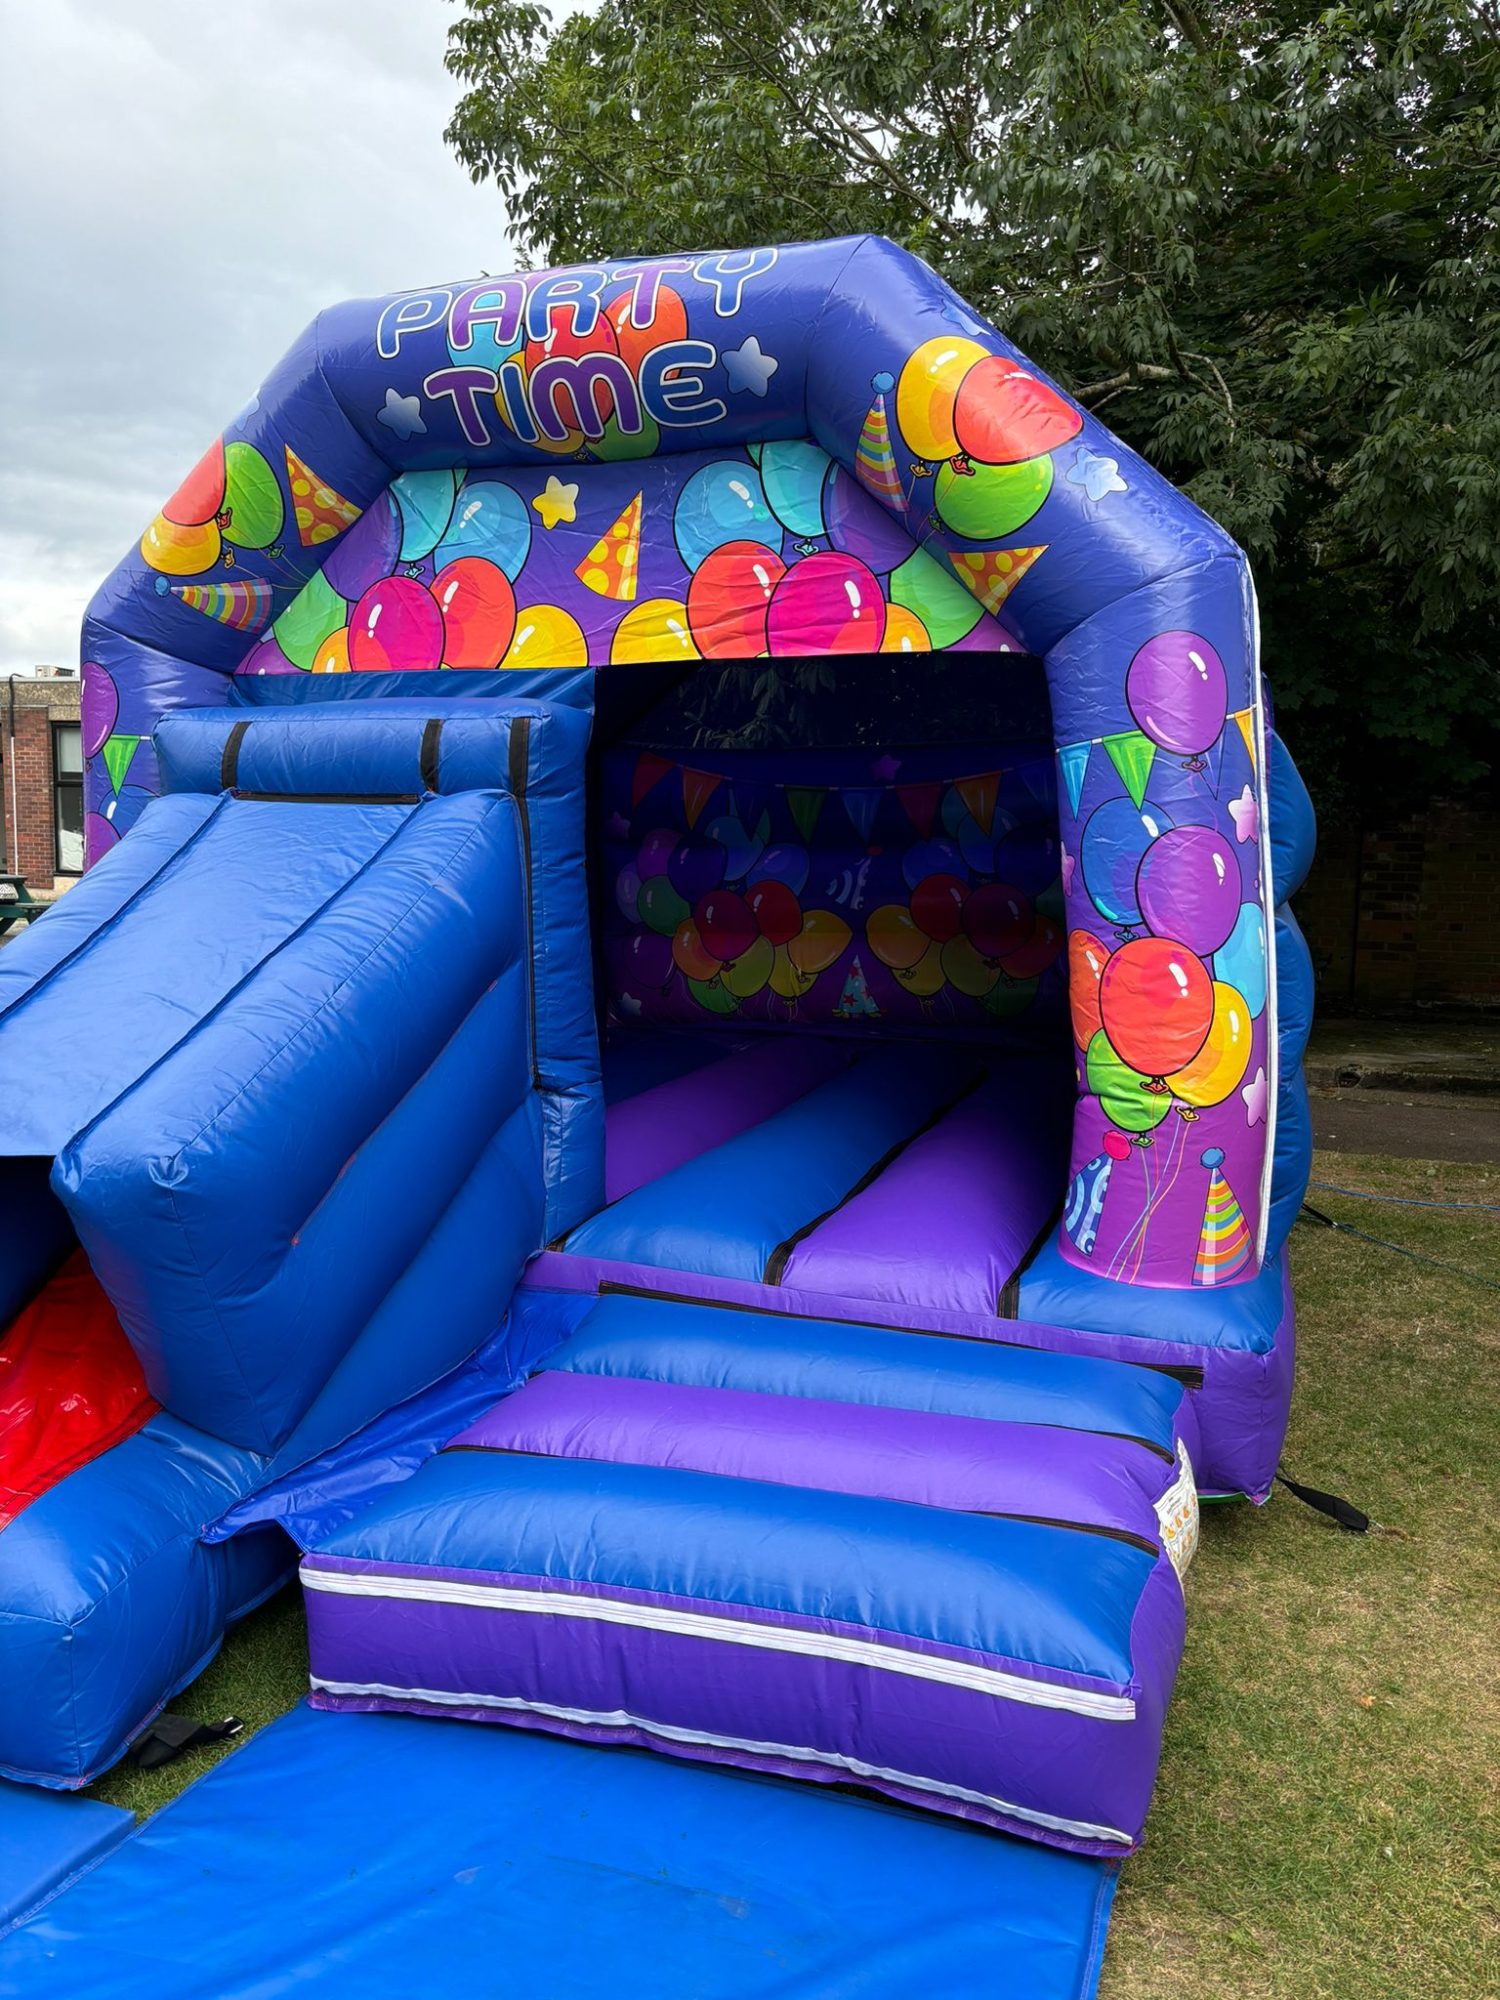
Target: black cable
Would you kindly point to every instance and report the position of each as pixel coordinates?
(1307, 1213)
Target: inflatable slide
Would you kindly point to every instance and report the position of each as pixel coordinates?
(679, 1064)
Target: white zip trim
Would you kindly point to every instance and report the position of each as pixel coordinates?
(731, 1631)
(621, 1719)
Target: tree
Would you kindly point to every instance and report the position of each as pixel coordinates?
(1259, 238)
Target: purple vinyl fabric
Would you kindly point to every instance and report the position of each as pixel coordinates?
(1034, 1471)
(658, 1129)
(1078, 1781)
(948, 1221)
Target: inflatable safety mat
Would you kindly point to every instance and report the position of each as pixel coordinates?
(381, 1858)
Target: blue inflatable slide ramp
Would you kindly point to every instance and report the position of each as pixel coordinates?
(375, 1857)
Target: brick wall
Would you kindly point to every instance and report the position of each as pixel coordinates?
(1408, 914)
(27, 777)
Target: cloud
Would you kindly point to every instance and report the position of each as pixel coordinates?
(185, 188)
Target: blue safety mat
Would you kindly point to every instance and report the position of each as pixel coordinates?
(374, 1857)
(45, 1837)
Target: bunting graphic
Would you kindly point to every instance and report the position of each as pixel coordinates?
(920, 804)
(1074, 758)
(649, 770)
(1224, 1245)
(1245, 718)
(862, 806)
(874, 458)
(979, 795)
(698, 787)
(611, 566)
(1132, 755)
(320, 513)
(805, 803)
(992, 574)
(242, 606)
(119, 754)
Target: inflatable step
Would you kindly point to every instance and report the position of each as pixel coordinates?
(963, 1599)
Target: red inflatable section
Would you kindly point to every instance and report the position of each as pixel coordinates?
(70, 1386)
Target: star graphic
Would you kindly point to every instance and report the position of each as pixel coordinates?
(556, 502)
(749, 369)
(885, 768)
(1245, 813)
(1254, 1094)
(403, 415)
(1097, 475)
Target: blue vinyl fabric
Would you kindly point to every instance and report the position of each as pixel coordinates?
(715, 1348)
(46, 1841)
(449, 1858)
(725, 1213)
(1242, 1318)
(110, 1601)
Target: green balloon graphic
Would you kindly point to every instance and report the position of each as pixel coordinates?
(945, 606)
(1119, 1089)
(710, 994)
(313, 613)
(617, 444)
(252, 497)
(661, 907)
(990, 501)
(1009, 997)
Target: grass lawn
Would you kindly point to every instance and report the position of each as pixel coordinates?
(1325, 1823)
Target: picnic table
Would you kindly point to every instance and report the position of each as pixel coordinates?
(17, 904)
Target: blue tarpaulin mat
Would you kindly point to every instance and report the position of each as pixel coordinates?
(381, 1856)
(44, 1838)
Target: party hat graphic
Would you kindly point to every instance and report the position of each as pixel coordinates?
(320, 513)
(240, 605)
(874, 459)
(611, 565)
(1085, 1203)
(1224, 1246)
(992, 574)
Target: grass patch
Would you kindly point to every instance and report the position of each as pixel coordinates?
(1319, 1831)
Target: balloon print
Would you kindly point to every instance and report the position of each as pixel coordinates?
(729, 600)
(904, 632)
(997, 919)
(827, 603)
(986, 502)
(751, 970)
(927, 392)
(479, 612)
(201, 494)
(695, 866)
(1218, 1066)
(174, 550)
(369, 551)
(644, 962)
(1188, 887)
(547, 636)
(1002, 415)
(332, 655)
(490, 519)
(656, 630)
(1124, 1094)
(821, 940)
(776, 911)
(656, 853)
(792, 474)
(1114, 844)
(691, 956)
(395, 628)
(660, 905)
(860, 526)
(1241, 962)
(933, 594)
(667, 321)
(425, 502)
(726, 924)
(784, 862)
(893, 936)
(966, 969)
(931, 857)
(1086, 961)
(1038, 951)
(312, 617)
(1178, 692)
(926, 978)
(741, 849)
(720, 503)
(1156, 1002)
(253, 510)
(628, 892)
(786, 979)
(937, 905)
(100, 700)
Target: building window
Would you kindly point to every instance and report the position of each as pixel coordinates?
(67, 779)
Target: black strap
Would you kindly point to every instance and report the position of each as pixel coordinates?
(1348, 1516)
(170, 1735)
(427, 761)
(229, 763)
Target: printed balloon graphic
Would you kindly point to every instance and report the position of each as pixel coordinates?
(726, 924)
(720, 503)
(559, 400)
(369, 551)
(396, 628)
(742, 849)
(893, 936)
(695, 866)
(489, 519)
(984, 502)
(997, 919)
(1002, 415)
(927, 393)
(691, 956)
(1241, 961)
(656, 852)
(332, 655)
(904, 632)
(663, 318)
(827, 603)
(792, 474)
(1114, 844)
(547, 636)
(1086, 962)
(184, 539)
(1178, 693)
(479, 612)
(628, 892)
(820, 941)
(776, 911)
(966, 969)
(729, 600)
(253, 511)
(1219, 1065)
(1124, 1094)
(1156, 1001)
(937, 906)
(312, 617)
(860, 526)
(788, 980)
(425, 502)
(747, 974)
(1033, 957)
(947, 610)
(642, 962)
(655, 630)
(1188, 887)
(660, 906)
(100, 701)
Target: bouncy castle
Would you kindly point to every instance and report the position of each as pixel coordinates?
(679, 1065)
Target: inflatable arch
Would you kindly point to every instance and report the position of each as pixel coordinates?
(538, 1031)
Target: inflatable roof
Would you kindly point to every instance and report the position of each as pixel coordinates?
(816, 449)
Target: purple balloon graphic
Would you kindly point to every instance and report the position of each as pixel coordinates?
(695, 867)
(862, 527)
(101, 707)
(1114, 845)
(368, 552)
(1188, 888)
(642, 962)
(1178, 692)
(656, 853)
(783, 862)
(99, 836)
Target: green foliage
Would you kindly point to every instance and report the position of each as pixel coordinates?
(1260, 238)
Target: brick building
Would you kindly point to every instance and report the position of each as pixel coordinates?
(41, 778)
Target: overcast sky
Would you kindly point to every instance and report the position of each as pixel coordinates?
(182, 186)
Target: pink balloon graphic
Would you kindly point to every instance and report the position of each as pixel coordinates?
(827, 603)
(396, 628)
(1178, 692)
